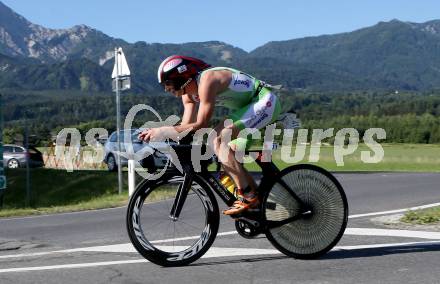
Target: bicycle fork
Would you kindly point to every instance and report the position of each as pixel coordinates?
(182, 193)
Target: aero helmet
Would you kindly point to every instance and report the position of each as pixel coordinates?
(179, 70)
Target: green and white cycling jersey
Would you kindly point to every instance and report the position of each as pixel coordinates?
(249, 108)
(240, 91)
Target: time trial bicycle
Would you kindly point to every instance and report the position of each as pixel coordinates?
(172, 221)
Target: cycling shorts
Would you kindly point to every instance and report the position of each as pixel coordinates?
(263, 110)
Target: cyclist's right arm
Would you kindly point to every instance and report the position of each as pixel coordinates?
(189, 110)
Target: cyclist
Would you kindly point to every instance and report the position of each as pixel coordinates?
(201, 88)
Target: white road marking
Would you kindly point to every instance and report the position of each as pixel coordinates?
(27, 254)
(213, 252)
(389, 245)
(392, 233)
(128, 247)
(394, 211)
(191, 238)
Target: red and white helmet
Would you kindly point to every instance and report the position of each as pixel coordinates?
(179, 70)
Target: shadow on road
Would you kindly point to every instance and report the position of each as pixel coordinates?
(241, 260)
(381, 251)
(338, 254)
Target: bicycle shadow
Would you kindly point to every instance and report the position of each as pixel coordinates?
(338, 254)
(381, 251)
(248, 259)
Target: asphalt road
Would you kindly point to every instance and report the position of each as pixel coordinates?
(93, 247)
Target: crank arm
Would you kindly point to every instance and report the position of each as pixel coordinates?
(275, 224)
(254, 223)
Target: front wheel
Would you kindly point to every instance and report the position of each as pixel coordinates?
(161, 239)
(315, 230)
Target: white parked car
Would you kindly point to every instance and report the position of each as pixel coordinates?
(152, 162)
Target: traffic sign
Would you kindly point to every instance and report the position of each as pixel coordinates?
(121, 72)
(2, 175)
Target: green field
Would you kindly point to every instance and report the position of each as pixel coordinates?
(397, 157)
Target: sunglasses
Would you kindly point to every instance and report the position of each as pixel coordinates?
(175, 85)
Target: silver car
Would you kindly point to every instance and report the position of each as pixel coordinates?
(14, 156)
(152, 162)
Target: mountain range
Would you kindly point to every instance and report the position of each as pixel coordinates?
(392, 55)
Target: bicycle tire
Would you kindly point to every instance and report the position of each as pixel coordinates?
(311, 237)
(142, 232)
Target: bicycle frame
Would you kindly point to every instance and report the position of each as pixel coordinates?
(269, 173)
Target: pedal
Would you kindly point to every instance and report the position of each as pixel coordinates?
(253, 210)
(254, 223)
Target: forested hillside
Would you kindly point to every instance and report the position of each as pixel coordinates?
(406, 117)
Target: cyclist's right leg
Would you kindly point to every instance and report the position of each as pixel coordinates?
(244, 183)
(226, 154)
(249, 178)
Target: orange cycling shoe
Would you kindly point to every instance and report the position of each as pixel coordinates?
(242, 205)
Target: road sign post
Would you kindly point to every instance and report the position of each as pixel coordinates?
(28, 173)
(2, 174)
(131, 177)
(121, 81)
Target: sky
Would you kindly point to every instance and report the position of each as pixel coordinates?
(246, 24)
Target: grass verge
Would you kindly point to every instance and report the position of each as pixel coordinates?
(56, 191)
(106, 201)
(422, 217)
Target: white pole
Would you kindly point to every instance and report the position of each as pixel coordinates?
(28, 173)
(131, 177)
(118, 123)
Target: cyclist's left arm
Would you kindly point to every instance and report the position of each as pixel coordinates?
(206, 108)
(208, 89)
(189, 110)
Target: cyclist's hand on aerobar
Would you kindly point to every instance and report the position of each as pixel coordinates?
(141, 135)
(161, 133)
(149, 134)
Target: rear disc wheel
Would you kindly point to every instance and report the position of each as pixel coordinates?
(316, 232)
